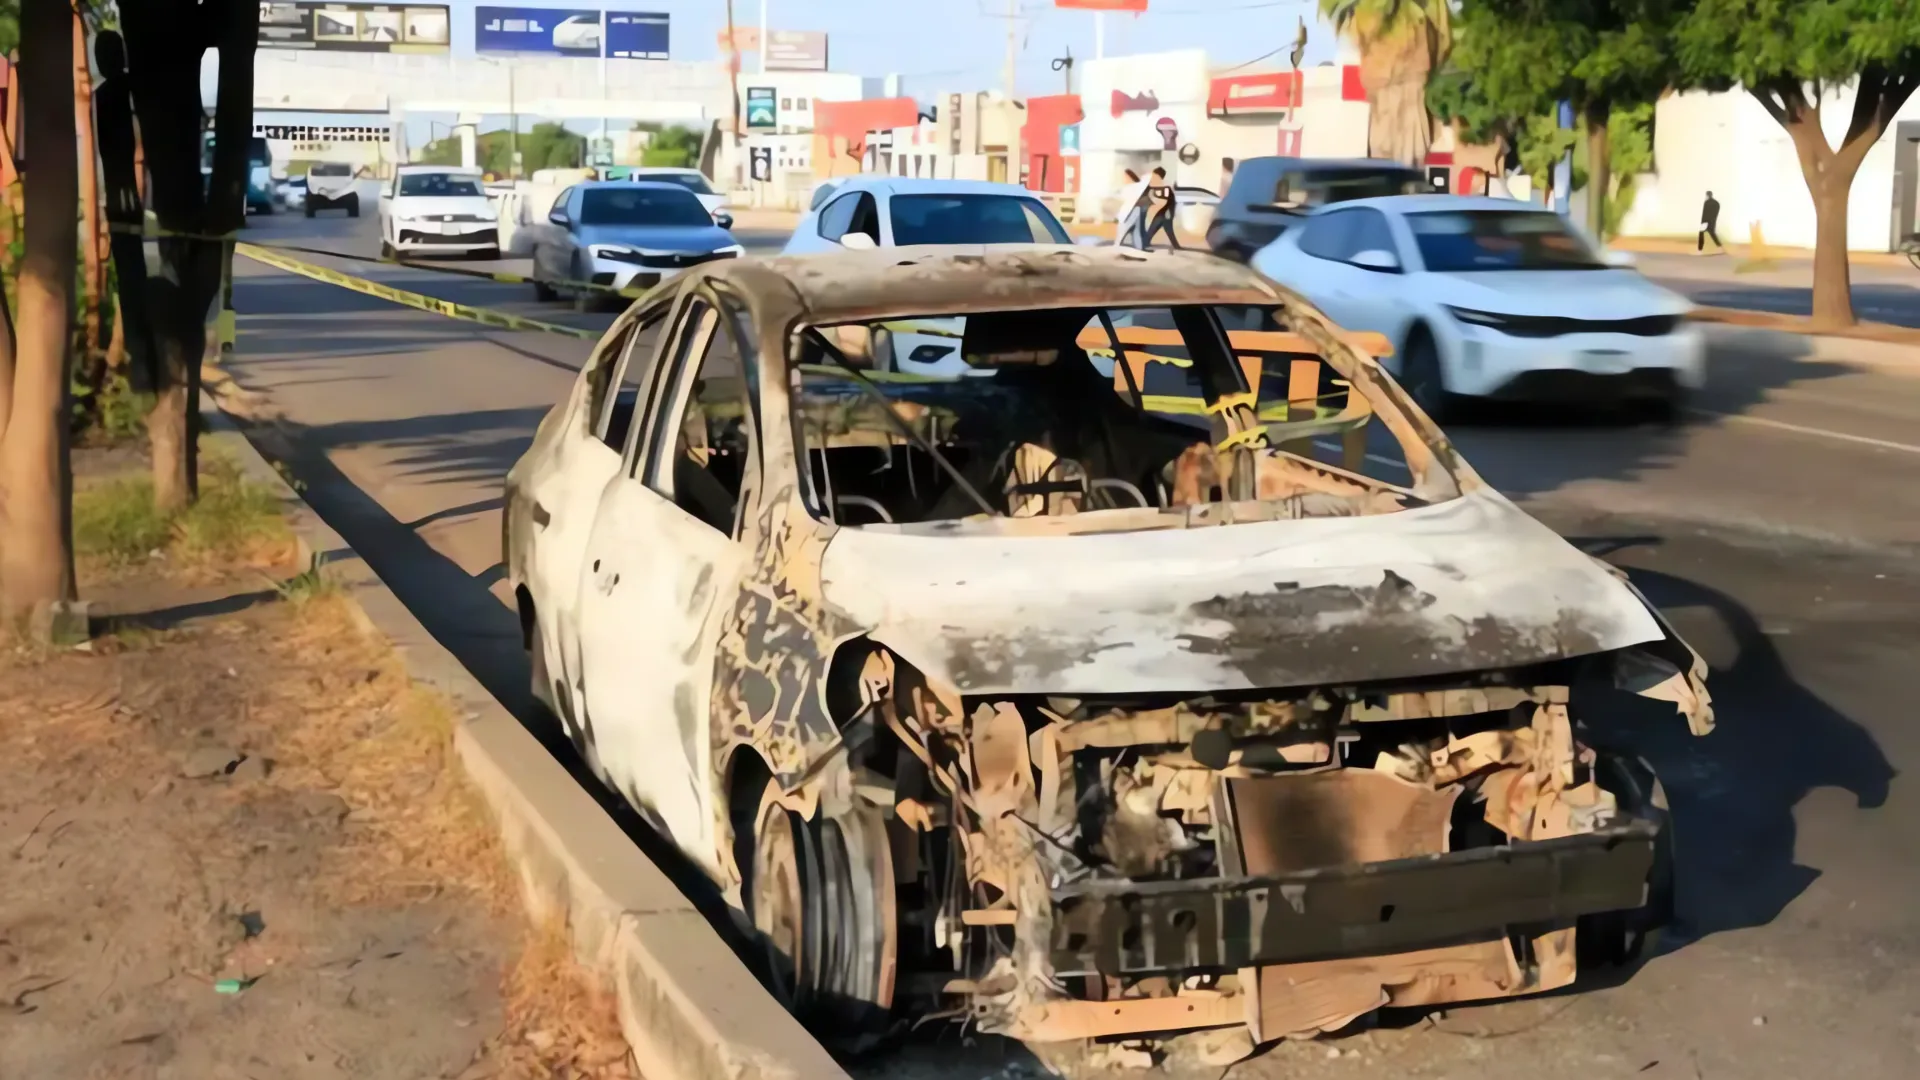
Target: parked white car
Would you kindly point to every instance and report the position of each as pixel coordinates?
(1492, 298)
(876, 211)
(437, 209)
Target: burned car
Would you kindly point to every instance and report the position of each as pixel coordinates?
(1166, 669)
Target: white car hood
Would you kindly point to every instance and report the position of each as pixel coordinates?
(414, 206)
(1588, 294)
(1465, 585)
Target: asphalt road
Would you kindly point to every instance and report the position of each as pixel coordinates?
(1777, 528)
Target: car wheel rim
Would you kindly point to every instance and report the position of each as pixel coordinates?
(779, 901)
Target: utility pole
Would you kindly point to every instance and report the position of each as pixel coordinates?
(762, 50)
(1013, 46)
(733, 80)
(1065, 64)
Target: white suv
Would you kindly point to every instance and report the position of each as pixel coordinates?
(427, 209)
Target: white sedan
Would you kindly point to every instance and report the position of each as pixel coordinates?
(878, 211)
(1493, 299)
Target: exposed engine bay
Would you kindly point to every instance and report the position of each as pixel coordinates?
(1084, 868)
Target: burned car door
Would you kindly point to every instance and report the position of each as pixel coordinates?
(565, 492)
(662, 559)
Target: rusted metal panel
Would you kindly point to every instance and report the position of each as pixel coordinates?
(1132, 928)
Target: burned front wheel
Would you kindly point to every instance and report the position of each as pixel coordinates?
(822, 902)
(1624, 938)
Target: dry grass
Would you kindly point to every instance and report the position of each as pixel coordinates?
(425, 829)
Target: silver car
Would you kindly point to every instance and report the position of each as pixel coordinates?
(622, 234)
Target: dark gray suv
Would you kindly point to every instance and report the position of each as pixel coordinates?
(1269, 194)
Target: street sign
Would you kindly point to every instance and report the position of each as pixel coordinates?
(623, 35)
(602, 151)
(636, 35)
(1169, 130)
(796, 50)
(1189, 154)
(760, 165)
(763, 110)
(331, 27)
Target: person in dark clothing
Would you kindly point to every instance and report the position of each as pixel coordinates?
(1160, 207)
(1709, 220)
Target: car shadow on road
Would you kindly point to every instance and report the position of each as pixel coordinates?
(1734, 791)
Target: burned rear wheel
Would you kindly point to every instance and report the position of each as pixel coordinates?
(822, 901)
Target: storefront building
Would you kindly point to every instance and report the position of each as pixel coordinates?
(1141, 112)
(1319, 112)
(1051, 141)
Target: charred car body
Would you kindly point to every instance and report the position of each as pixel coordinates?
(1102, 690)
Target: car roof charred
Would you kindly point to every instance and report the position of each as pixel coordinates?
(859, 286)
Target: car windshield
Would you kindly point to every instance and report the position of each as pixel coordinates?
(641, 206)
(1036, 414)
(1463, 241)
(437, 184)
(328, 168)
(973, 219)
(693, 182)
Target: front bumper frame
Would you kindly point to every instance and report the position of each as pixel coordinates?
(1125, 928)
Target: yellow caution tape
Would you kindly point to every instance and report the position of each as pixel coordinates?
(484, 316)
(1254, 436)
(500, 276)
(1245, 398)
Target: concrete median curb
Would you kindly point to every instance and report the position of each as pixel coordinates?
(689, 1008)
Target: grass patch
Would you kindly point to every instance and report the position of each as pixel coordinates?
(313, 583)
(235, 520)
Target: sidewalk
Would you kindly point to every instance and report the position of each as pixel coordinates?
(1684, 245)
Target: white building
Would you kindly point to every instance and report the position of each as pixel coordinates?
(1139, 111)
(1727, 144)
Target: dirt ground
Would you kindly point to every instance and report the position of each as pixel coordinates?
(234, 843)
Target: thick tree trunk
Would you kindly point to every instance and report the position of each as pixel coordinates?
(1394, 70)
(1599, 172)
(1832, 270)
(36, 556)
(94, 273)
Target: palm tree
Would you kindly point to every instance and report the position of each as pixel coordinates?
(1402, 43)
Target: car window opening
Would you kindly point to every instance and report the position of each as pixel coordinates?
(1069, 411)
(641, 206)
(711, 441)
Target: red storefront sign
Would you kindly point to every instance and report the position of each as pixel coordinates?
(1254, 93)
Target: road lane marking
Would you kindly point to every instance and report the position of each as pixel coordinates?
(1802, 429)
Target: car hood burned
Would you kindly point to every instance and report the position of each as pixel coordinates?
(1465, 585)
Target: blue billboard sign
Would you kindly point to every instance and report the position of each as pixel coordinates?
(636, 35)
(623, 35)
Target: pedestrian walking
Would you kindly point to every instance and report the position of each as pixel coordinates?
(1160, 207)
(1709, 223)
(1132, 226)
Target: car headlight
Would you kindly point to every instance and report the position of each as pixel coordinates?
(613, 251)
(733, 250)
(1489, 319)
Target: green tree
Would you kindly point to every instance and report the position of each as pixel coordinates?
(1794, 56)
(552, 146)
(1526, 56)
(1402, 43)
(673, 146)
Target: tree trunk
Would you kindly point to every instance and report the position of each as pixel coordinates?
(1393, 70)
(166, 40)
(94, 274)
(1599, 172)
(36, 555)
(1829, 178)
